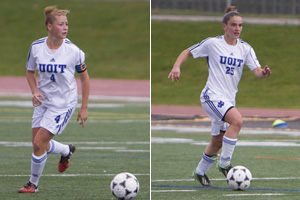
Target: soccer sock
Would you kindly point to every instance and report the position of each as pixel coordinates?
(205, 163)
(58, 148)
(227, 151)
(37, 168)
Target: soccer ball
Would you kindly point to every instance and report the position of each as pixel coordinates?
(239, 178)
(124, 186)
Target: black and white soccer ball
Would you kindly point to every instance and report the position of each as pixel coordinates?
(239, 178)
(124, 186)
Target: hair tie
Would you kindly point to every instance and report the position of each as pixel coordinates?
(231, 12)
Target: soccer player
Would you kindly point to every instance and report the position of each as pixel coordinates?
(226, 55)
(55, 95)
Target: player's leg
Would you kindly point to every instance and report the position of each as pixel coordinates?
(57, 126)
(54, 147)
(58, 148)
(208, 158)
(215, 144)
(210, 154)
(209, 103)
(234, 118)
(41, 138)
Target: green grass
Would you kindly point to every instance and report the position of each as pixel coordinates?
(114, 35)
(125, 126)
(275, 46)
(170, 182)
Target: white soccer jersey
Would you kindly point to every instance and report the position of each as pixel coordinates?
(56, 71)
(225, 63)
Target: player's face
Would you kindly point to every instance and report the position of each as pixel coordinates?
(233, 28)
(60, 27)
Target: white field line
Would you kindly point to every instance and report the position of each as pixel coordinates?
(247, 195)
(133, 151)
(223, 179)
(157, 191)
(121, 149)
(116, 149)
(66, 175)
(254, 143)
(27, 144)
(101, 148)
(127, 143)
(180, 129)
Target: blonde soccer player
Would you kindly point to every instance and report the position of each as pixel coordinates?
(54, 96)
(226, 56)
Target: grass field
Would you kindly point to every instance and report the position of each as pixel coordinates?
(274, 45)
(273, 160)
(115, 35)
(115, 139)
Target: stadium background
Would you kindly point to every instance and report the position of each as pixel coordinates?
(273, 7)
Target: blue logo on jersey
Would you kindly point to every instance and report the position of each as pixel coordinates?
(52, 68)
(231, 61)
(221, 104)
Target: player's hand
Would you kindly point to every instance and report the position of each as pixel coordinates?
(82, 116)
(266, 71)
(36, 99)
(174, 74)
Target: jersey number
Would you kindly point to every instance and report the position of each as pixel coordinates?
(230, 70)
(52, 78)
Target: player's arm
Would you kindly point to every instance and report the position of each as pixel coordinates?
(36, 96)
(175, 72)
(262, 73)
(85, 90)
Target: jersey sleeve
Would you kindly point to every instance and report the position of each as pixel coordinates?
(31, 60)
(201, 49)
(80, 62)
(251, 60)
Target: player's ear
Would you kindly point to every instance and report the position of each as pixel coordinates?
(49, 27)
(224, 26)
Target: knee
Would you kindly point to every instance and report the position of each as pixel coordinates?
(38, 146)
(238, 123)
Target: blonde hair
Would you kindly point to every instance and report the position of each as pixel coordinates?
(51, 12)
(229, 13)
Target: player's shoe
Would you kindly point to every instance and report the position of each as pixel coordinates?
(202, 179)
(224, 170)
(29, 188)
(64, 161)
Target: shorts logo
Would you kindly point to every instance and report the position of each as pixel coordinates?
(220, 104)
(66, 118)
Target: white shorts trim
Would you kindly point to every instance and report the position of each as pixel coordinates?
(216, 106)
(54, 120)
